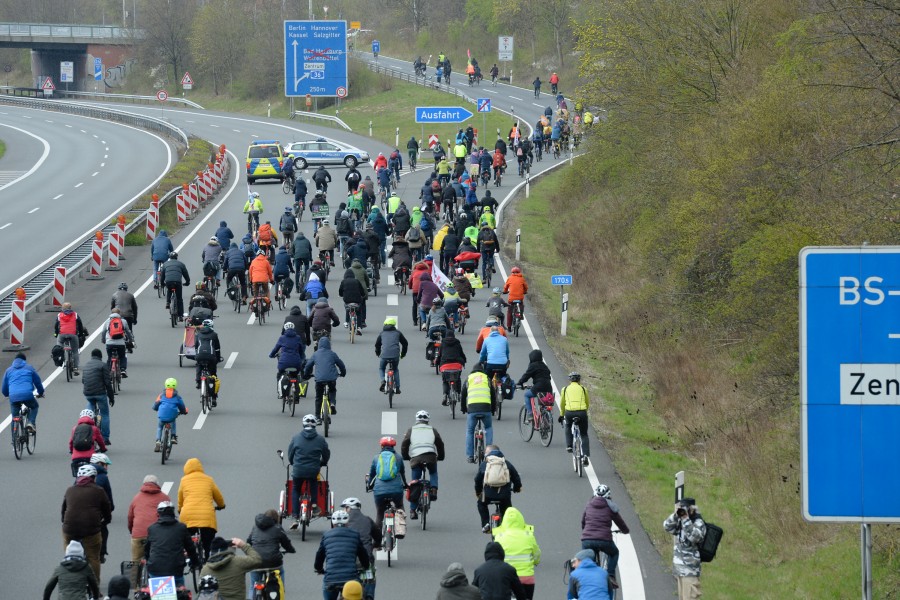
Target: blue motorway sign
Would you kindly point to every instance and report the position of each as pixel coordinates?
(98, 69)
(315, 58)
(850, 383)
(560, 280)
(483, 104)
(442, 114)
(376, 46)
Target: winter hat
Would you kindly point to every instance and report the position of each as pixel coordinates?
(119, 586)
(219, 544)
(585, 554)
(75, 549)
(97, 353)
(352, 591)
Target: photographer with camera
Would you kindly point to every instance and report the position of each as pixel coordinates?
(688, 528)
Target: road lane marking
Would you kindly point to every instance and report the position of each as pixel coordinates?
(166, 487)
(26, 117)
(256, 136)
(190, 121)
(103, 141)
(69, 126)
(536, 104)
(382, 555)
(48, 120)
(230, 362)
(20, 176)
(201, 419)
(106, 156)
(5, 226)
(78, 185)
(236, 130)
(393, 299)
(252, 318)
(57, 197)
(212, 125)
(95, 173)
(83, 131)
(391, 279)
(514, 98)
(34, 210)
(389, 422)
(106, 150)
(96, 136)
(102, 164)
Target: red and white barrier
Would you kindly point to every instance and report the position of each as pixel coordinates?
(115, 249)
(204, 191)
(96, 258)
(152, 220)
(17, 327)
(59, 287)
(193, 197)
(120, 230)
(181, 206)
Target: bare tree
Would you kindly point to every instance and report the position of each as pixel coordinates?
(167, 26)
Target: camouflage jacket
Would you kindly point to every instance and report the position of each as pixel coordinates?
(688, 534)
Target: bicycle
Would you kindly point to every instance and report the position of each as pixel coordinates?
(462, 316)
(496, 516)
(211, 285)
(290, 390)
(158, 281)
(23, 436)
(602, 560)
(413, 161)
(497, 384)
(557, 150)
(68, 360)
(325, 412)
(485, 177)
(390, 387)
(280, 296)
(166, 442)
(269, 578)
(402, 279)
(498, 177)
(578, 457)
(287, 185)
(299, 207)
(516, 316)
(352, 321)
(479, 436)
(424, 500)
(488, 270)
(172, 301)
(259, 304)
(541, 418)
(326, 261)
(207, 390)
(197, 543)
(115, 373)
(436, 351)
(372, 268)
(234, 292)
(452, 396)
(388, 539)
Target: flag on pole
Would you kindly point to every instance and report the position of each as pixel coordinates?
(438, 277)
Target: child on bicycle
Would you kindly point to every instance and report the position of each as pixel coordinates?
(539, 373)
(168, 406)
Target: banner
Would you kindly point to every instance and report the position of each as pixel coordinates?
(438, 277)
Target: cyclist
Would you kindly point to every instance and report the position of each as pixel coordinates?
(390, 347)
(208, 353)
(359, 271)
(487, 245)
(487, 218)
(201, 305)
(168, 542)
(423, 447)
(554, 83)
(381, 162)
(68, 329)
(283, 270)
(300, 191)
(248, 247)
(73, 575)
(401, 221)
(477, 399)
(229, 569)
(395, 163)
(412, 150)
(380, 226)
(327, 366)
(587, 580)
(101, 462)
(287, 225)
(537, 86)
(307, 453)
(173, 272)
(267, 240)
(539, 373)
(322, 318)
(224, 235)
(198, 499)
(453, 360)
(326, 240)
(516, 287)
(287, 169)
(498, 163)
(494, 73)
(236, 264)
(116, 335)
(260, 277)
(495, 353)
(84, 440)
(212, 258)
(268, 538)
(290, 350)
(393, 205)
(341, 548)
(496, 304)
(126, 303)
(574, 401)
(369, 534)
(520, 547)
(387, 478)
(301, 252)
(437, 319)
(486, 331)
(98, 390)
(495, 482)
(160, 249)
(253, 208)
(168, 405)
(596, 528)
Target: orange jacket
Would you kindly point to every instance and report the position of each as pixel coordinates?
(482, 335)
(264, 235)
(516, 287)
(554, 78)
(380, 161)
(261, 270)
(499, 160)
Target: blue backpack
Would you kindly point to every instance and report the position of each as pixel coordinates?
(387, 469)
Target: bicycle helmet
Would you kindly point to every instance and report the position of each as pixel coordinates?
(391, 321)
(255, 194)
(173, 255)
(260, 252)
(207, 322)
(340, 518)
(351, 503)
(100, 458)
(516, 270)
(198, 285)
(208, 583)
(288, 325)
(287, 210)
(309, 421)
(437, 301)
(428, 257)
(345, 214)
(603, 491)
(423, 415)
(86, 471)
(460, 271)
(574, 376)
(388, 441)
(496, 291)
(123, 286)
(171, 383)
(214, 239)
(86, 413)
(324, 221)
(165, 505)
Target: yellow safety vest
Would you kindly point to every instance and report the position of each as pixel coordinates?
(573, 397)
(478, 389)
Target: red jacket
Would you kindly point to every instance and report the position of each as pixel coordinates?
(98, 440)
(142, 511)
(554, 79)
(415, 280)
(380, 161)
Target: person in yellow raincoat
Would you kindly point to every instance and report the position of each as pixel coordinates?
(521, 547)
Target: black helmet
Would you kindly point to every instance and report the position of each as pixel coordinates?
(123, 286)
(173, 254)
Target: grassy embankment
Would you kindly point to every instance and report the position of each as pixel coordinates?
(2, 148)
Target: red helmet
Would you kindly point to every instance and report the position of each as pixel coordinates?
(516, 270)
(388, 441)
(459, 271)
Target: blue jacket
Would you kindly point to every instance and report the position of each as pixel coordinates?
(161, 246)
(485, 162)
(283, 265)
(307, 453)
(224, 234)
(235, 259)
(324, 363)
(555, 133)
(20, 381)
(358, 251)
(103, 481)
(471, 196)
(588, 581)
(379, 225)
(293, 351)
(384, 177)
(395, 485)
(313, 288)
(169, 408)
(495, 350)
(341, 547)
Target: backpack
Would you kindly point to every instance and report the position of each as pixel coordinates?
(415, 234)
(395, 155)
(265, 233)
(387, 472)
(710, 542)
(287, 223)
(206, 349)
(425, 224)
(83, 437)
(116, 328)
(496, 473)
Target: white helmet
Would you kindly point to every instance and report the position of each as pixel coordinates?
(351, 503)
(423, 415)
(309, 421)
(255, 194)
(100, 458)
(86, 471)
(86, 413)
(165, 505)
(340, 518)
(603, 491)
(288, 325)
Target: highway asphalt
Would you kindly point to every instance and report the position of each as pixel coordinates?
(74, 173)
(237, 442)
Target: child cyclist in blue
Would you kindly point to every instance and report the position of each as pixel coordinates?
(168, 405)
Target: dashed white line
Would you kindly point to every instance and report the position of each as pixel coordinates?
(78, 185)
(536, 104)
(5, 226)
(201, 419)
(48, 121)
(252, 319)
(25, 116)
(393, 299)
(106, 150)
(57, 197)
(102, 164)
(514, 98)
(102, 141)
(190, 121)
(166, 487)
(389, 422)
(96, 136)
(211, 125)
(106, 156)
(254, 135)
(230, 362)
(34, 210)
(95, 173)
(83, 131)
(69, 126)
(236, 130)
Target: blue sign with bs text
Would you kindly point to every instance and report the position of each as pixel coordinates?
(561, 280)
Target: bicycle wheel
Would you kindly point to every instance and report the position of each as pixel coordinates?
(424, 510)
(326, 414)
(204, 398)
(282, 301)
(286, 186)
(375, 283)
(164, 451)
(294, 395)
(389, 545)
(517, 322)
(284, 400)
(117, 380)
(17, 439)
(30, 441)
(303, 530)
(578, 456)
(352, 327)
(545, 428)
(159, 288)
(195, 577)
(499, 405)
(526, 429)
(462, 326)
(390, 392)
(70, 367)
(453, 401)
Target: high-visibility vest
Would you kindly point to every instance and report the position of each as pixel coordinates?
(478, 389)
(421, 440)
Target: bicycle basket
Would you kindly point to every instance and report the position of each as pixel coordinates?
(546, 399)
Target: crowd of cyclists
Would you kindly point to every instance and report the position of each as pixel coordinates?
(435, 249)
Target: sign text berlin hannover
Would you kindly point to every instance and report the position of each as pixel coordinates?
(315, 58)
(850, 383)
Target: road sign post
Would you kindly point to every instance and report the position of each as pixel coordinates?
(518, 242)
(679, 486)
(98, 69)
(565, 315)
(562, 281)
(315, 58)
(505, 48)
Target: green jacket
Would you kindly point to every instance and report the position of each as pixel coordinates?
(518, 541)
(230, 570)
(472, 233)
(416, 216)
(72, 576)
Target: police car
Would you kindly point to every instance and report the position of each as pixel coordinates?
(264, 160)
(323, 152)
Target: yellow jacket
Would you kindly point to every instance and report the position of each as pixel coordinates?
(197, 493)
(573, 397)
(518, 541)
